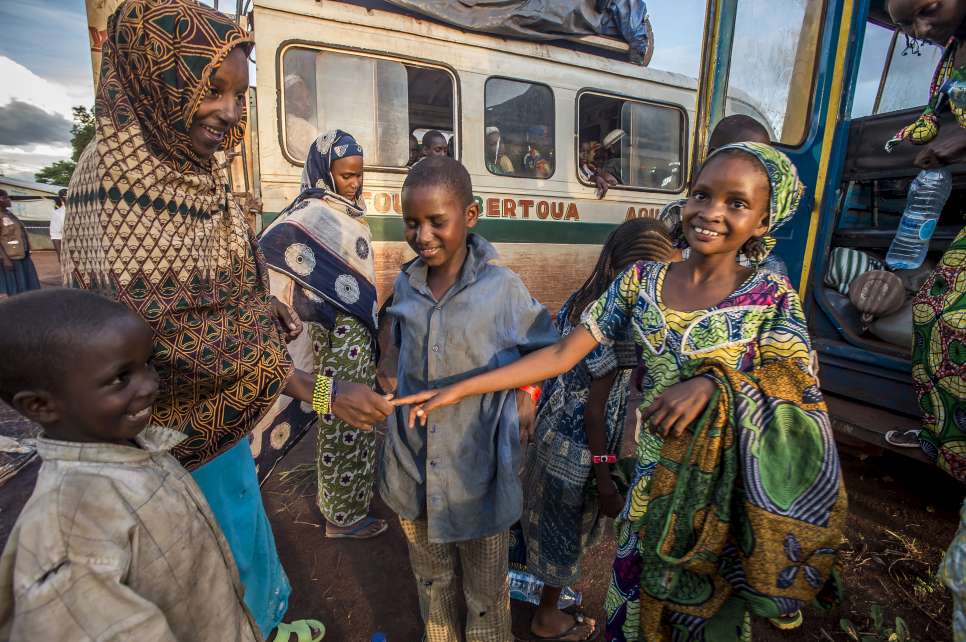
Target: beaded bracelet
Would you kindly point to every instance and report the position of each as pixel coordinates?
(322, 394)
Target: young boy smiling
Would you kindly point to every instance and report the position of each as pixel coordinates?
(454, 482)
(116, 541)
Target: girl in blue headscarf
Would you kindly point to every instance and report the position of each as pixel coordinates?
(319, 252)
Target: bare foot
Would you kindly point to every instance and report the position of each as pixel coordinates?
(555, 624)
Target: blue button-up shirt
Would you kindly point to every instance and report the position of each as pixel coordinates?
(460, 471)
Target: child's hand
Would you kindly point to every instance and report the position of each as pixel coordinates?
(526, 411)
(423, 402)
(678, 406)
(611, 502)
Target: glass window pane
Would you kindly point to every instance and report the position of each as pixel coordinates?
(875, 49)
(639, 144)
(909, 77)
(518, 128)
(386, 104)
(773, 62)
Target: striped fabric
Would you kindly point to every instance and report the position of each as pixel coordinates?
(845, 264)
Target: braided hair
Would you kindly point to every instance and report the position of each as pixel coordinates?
(639, 239)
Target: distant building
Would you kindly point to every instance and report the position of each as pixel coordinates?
(32, 203)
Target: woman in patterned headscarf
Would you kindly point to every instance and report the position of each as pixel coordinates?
(152, 224)
(320, 254)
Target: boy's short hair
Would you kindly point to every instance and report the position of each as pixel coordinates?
(442, 171)
(737, 128)
(39, 333)
(431, 134)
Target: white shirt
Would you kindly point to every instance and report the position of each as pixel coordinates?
(57, 224)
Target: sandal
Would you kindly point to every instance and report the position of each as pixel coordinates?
(579, 620)
(903, 438)
(361, 529)
(301, 629)
(788, 622)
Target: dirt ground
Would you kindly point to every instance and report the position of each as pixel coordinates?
(902, 515)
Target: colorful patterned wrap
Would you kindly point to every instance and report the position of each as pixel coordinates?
(939, 359)
(728, 514)
(761, 321)
(152, 225)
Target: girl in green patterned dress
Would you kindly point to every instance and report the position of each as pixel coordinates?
(320, 254)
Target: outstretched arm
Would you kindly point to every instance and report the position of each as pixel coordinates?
(533, 368)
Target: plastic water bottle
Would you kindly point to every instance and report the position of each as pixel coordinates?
(927, 195)
(378, 636)
(524, 587)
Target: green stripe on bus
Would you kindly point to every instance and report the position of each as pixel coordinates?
(386, 228)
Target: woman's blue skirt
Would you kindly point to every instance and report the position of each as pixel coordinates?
(230, 485)
(21, 278)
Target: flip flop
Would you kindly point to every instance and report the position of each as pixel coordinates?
(579, 620)
(301, 629)
(788, 622)
(358, 530)
(903, 438)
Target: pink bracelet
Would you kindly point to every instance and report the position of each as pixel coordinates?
(604, 459)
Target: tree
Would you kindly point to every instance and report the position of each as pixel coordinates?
(81, 133)
(57, 173)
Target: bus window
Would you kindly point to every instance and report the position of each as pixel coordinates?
(384, 113)
(773, 62)
(518, 128)
(904, 84)
(640, 144)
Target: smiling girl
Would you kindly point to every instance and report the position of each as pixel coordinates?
(707, 316)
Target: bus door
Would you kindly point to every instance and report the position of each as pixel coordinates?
(788, 64)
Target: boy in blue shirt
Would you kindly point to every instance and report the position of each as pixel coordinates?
(454, 482)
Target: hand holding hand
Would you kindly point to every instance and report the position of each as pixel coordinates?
(359, 406)
(679, 406)
(423, 402)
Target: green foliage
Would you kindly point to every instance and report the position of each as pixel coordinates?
(57, 173)
(81, 133)
(881, 632)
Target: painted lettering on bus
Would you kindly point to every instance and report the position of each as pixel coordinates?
(492, 207)
(642, 212)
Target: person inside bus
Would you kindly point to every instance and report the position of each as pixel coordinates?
(434, 144)
(320, 259)
(538, 159)
(755, 345)
(415, 152)
(609, 157)
(497, 160)
(937, 371)
(299, 114)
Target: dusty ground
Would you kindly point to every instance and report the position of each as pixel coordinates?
(902, 515)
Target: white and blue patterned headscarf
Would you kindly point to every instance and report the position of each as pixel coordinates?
(317, 172)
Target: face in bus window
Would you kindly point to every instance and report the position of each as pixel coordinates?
(434, 144)
(222, 108)
(932, 20)
(347, 174)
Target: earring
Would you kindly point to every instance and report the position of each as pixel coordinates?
(755, 249)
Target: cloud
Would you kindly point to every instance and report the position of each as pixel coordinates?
(25, 124)
(19, 83)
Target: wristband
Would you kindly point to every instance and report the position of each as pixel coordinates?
(322, 394)
(533, 392)
(604, 459)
